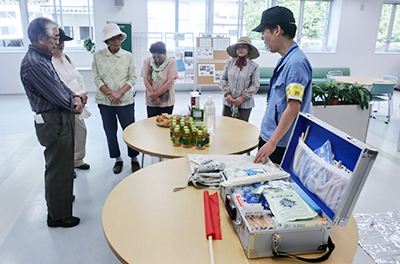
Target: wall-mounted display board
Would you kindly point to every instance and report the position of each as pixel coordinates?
(127, 29)
(181, 47)
(211, 56)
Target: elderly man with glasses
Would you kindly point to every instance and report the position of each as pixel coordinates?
(55, 106)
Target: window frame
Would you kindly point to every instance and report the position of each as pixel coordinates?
(57, 16)
(395, 6)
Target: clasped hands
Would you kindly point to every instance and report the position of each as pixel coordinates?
(154, 97)
(80, 104)
(114, 97)
(236, 102)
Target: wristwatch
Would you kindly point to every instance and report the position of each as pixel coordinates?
(78, 95)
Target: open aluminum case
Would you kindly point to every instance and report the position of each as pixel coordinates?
(355, 156)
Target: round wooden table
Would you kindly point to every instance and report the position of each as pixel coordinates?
(232, 136)
(144, 221)
(360, 80)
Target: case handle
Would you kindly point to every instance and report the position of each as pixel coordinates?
(230, 207)
(277, 238)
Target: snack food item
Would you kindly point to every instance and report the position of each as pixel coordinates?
(164, 119)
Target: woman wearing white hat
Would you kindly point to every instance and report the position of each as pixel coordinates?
(114, 75)
(240, 79)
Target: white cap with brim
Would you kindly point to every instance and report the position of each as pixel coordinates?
(243, 40)
(112, 30)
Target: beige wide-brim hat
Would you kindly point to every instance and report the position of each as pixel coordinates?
(243, 40)
(112, 30)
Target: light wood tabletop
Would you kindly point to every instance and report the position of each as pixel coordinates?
(359, 80)
(232, 136)
(144, 221)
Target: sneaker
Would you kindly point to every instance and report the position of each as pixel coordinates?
(66, 222)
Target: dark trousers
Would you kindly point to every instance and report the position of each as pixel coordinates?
(244, 114)
(57, 136)
(277, 155)
(155, 111)
(109, 115)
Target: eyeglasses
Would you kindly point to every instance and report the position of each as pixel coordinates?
(119, 37)
(242, 46)
(56, 38)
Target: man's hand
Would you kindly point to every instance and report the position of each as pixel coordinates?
(264, 152)
(238, 101)
(229, 98)
(84, 98)
(78, 105)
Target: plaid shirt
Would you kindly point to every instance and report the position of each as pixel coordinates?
(238, 82)
(43, 87)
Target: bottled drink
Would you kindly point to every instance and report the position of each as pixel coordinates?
(176, 138)
(200, 142)
(206, 137)
(172, 128)
(194, 135)
(209, 115)
(187, 139)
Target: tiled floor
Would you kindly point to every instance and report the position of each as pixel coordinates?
(24, 236)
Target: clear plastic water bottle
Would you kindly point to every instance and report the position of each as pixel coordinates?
(209, 115)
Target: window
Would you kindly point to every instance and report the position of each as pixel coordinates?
(312, 20)
(74, 16)
(84, 32)
(236, 18)
(388, 39)
(10, 24)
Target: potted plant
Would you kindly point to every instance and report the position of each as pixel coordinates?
(351, 114)
(333, 93)
(89, 45)
(326, 93)
(355, 94)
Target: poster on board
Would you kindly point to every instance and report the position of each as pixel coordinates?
(206, 69)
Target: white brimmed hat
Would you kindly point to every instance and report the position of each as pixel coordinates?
(243, 40)
(112, 30)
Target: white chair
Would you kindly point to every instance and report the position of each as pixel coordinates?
(330, 75)
(383, 92)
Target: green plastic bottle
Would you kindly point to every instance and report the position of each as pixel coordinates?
(187, 139)
(206, 137)
(176, 138)
(194, 135)
(200, 142)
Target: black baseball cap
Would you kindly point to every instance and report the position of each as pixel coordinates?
(63, 37)
(275, 15)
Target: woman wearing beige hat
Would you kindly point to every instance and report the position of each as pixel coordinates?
(114, 75)
(240, 79)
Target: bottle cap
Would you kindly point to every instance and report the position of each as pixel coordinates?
(177, 129)
(200, 132)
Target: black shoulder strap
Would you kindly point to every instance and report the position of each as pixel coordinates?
(330, 247)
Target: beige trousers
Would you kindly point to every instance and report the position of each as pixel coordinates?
(80, 141)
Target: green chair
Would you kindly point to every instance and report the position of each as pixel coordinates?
(383, 92)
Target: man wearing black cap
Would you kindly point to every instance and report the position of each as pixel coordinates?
(55, 106)
(290, 86)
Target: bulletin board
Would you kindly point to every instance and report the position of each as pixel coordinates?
(211, 57)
